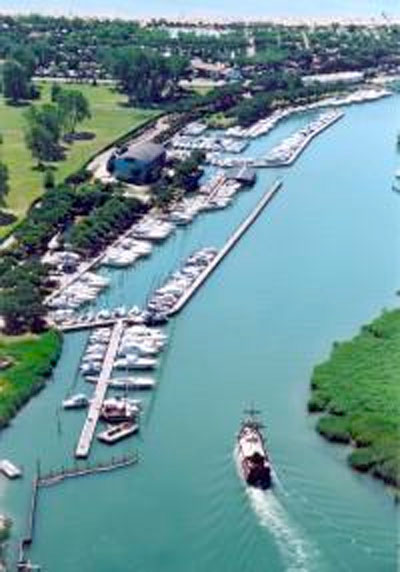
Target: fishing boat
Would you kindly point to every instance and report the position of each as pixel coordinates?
(252, 457)
(117, 432)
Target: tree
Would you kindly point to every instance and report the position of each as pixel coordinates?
(42, 133)
(143, 76)
(15, 81)
(48, 179)
(4, 187)
(55, 91)
(21, 308)
(73, 107)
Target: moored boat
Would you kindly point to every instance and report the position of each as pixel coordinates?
(116, 410)
(117, 432)
(127, 383)
(252, 457)
(78, 401)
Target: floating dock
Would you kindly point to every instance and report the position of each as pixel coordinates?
(87, 434)
(236, 236)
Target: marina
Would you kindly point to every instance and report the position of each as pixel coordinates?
(135, 347)
(276, 334)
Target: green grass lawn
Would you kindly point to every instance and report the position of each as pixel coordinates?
(32, 358)
(109, 121)
(358, 389)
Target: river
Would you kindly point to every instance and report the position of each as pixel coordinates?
(320, 261)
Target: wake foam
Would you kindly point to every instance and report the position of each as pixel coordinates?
(298, 553)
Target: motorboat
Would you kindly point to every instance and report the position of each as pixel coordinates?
(78, 401)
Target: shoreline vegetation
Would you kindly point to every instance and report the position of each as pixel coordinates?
(357, 393)
(26, 363)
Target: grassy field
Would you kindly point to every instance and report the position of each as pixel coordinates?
(32, 359)
(358, 389)
(109, 120)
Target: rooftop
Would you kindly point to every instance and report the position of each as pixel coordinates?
(147, 152)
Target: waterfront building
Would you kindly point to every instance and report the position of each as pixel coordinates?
(138, 164)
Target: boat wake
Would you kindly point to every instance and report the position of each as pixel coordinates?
(298, 553)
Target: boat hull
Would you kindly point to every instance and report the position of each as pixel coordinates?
(252, 458)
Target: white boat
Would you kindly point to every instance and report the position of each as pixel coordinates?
(9, 469)
(132, 383)
(78, 401)
(127, 384)
(135, 362)
(90, 368)
(117, 432)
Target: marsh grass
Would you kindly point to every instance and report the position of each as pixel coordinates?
(32, 360)
(358, 393)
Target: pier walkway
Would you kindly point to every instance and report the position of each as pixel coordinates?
(236, 236)
(87, 434)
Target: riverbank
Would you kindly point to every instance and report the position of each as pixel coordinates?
(27, 363)
(357, 390)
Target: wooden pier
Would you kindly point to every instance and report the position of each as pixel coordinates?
(24, 564)
(87, 434)
(56, 477)
(236, 236)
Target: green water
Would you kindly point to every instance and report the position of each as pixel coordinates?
(320, 261)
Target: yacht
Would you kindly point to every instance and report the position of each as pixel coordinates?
(78, 401)
(117, 432)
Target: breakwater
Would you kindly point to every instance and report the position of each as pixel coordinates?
(236, 236)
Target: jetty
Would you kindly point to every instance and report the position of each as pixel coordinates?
(236, 236)
(87, 434)
(54, 478)
(23, 564)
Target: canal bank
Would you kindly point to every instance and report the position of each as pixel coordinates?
(255, 330)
